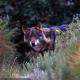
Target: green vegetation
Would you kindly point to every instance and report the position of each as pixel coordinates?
(64, 62)
(56, 65)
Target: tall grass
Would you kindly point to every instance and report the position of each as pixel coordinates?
(55, 65)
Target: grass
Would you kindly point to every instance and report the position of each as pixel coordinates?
(63, 64)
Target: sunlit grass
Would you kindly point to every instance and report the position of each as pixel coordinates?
(62, 64)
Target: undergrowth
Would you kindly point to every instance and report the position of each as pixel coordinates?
(56, 65)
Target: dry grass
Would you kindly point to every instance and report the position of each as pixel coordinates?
(75, 57)
(67, 51)
(2, 48)
(5, 58)
(75, 61)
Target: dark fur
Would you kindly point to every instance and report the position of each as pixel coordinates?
(33, 52)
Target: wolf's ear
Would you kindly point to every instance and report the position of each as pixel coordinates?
(23, 30)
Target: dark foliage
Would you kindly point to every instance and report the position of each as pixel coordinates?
(29, 12)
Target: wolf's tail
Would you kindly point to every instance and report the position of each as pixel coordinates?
(64, 27)
(60, 29)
